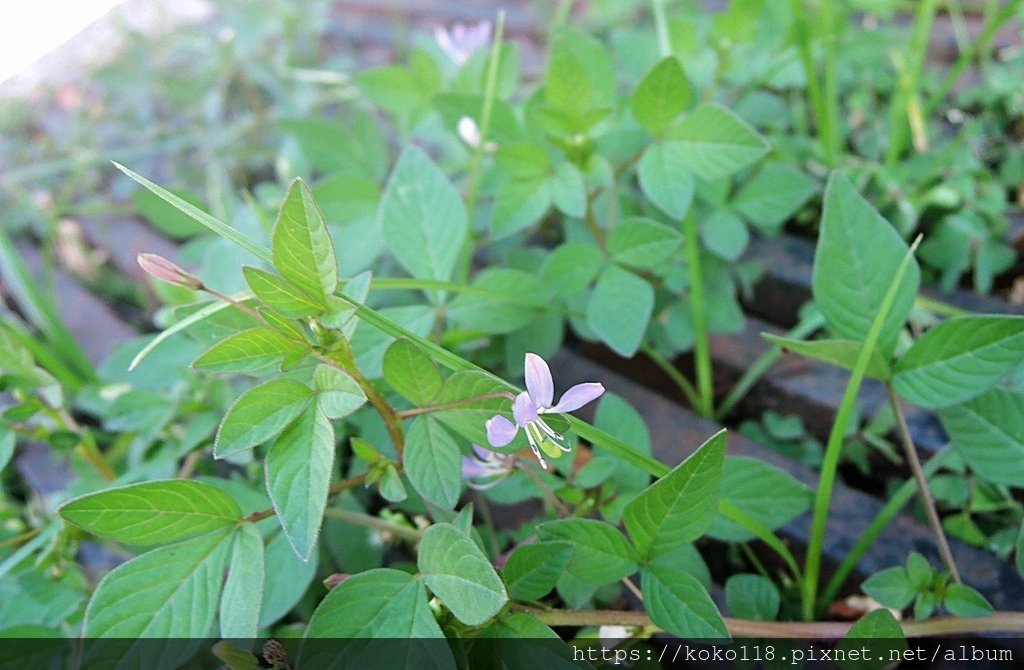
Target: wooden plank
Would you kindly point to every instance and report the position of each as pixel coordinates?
(677, 432)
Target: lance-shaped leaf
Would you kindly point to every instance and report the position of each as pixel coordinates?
(423, 217)
(680, 506)
(843, 353)
(338, 393)
(988, 432)
(168, 592)
(533, 569)
(858, 255)
(459, 574)
(677, 602)
(960, 359)
(389, 606)
(301, 246)
(411, 372)
(242, 602)
(282, 295)
(298, 469)
(153, 512)
(661, 95)
(433, 462)
(601, 554)
(718, 143)
(259, 414)
(247, 351)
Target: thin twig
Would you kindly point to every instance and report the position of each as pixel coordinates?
(336, 488)
(922, 485)
(415, 411)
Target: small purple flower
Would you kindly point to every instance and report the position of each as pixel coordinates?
(488, 469)
(534, 401)
(463, 40)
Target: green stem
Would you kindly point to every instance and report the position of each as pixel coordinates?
(760, 367)
(922, 484)
(909, 81)
(336, 488)
(344, 360)
(476, 160)
(885, 516)
(673, 373)
(411, 535)
(730, 511)
(702, 345)
(802, 36)
(661, 28)
(994, 21)
(833, 450)
(830, 94)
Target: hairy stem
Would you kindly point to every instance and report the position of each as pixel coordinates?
(376, 523)
(828, 630)
(922, 484)
(336, 488)
(702, 344)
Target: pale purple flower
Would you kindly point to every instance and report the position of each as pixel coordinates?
(529, 405)
(488, 469)
(463, 40)
(165, 270)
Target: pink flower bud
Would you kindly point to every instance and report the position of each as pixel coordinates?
(165, 270)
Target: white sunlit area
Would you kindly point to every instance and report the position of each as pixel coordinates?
(511, 333)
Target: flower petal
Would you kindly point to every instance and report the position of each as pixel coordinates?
(500, 431)
(538, 381)
(523, 409)
(577, 397)
(481, 453)
(472, 468)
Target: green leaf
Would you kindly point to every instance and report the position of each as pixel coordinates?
(166, 217)
(680, 506)
(619, 309)
(568, 190)
(433, 462)
(242, 601)
(247, 351)
(752, 597)
(665, 177)
(523, 160)
(280, 294)
(468, 419)
(507, 300)
(571, 267)
(286, 579)
(773, 196)
(423, 217)
(717, 143)
(725, 235)
(411, 372)
(579, 76)
(988, 432)
(843, 353)
(601, 555)
(301, 246)
(643, 243)
(151, 513)
(298, 471)
(519, 204)
(168, 592)
(960, 359)
(338, 395)
(890, 587)
(259, 414)
(661, 96)
(766, 494)
(7, 444)
(459, 574)
(387, 605)
(533, 569)
(677, 602)
(877, 636)
(858, 255)
(962, 600)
